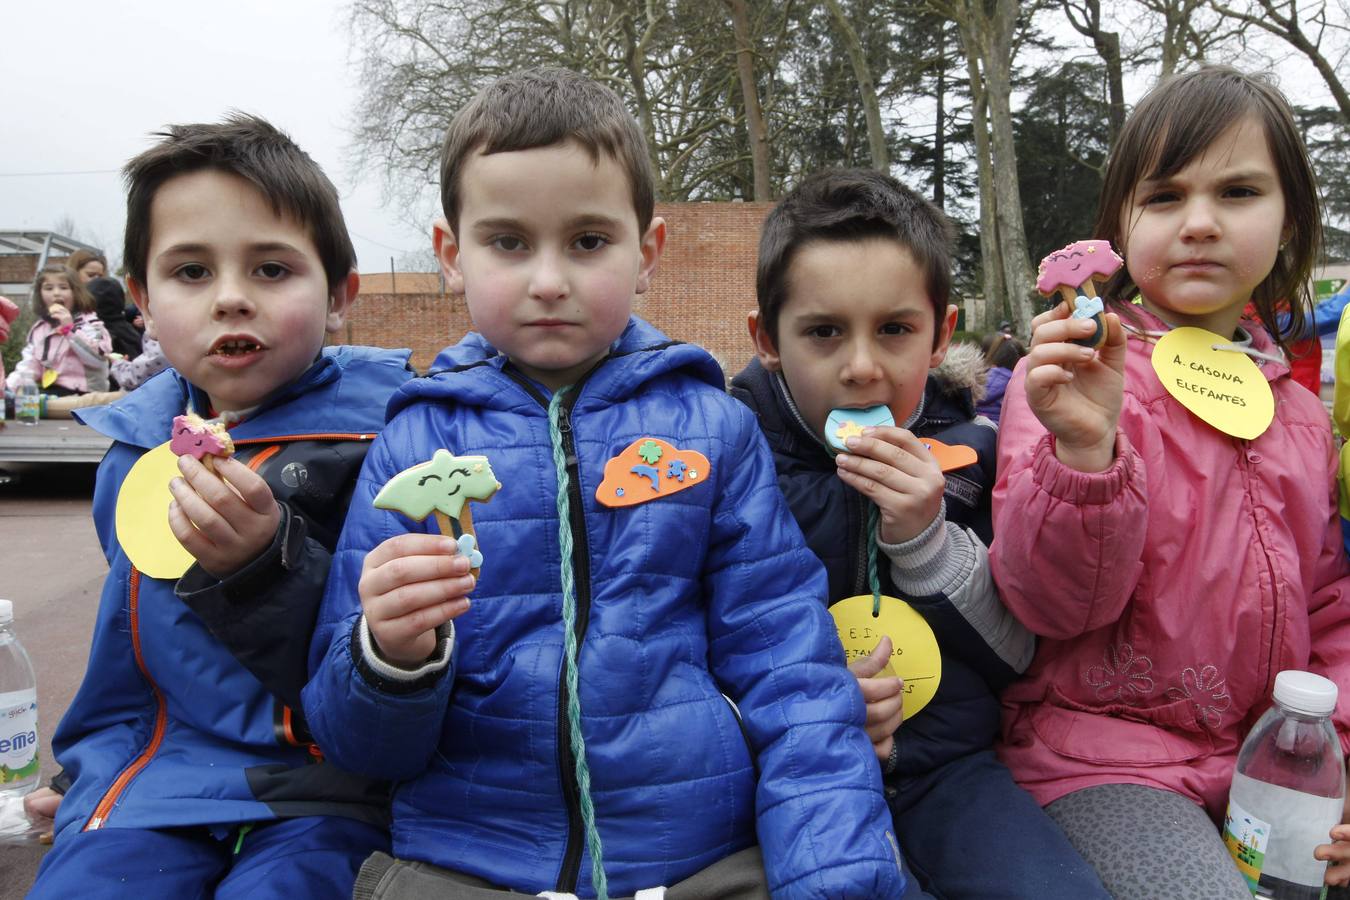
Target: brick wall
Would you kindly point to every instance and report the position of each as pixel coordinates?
(702, 291)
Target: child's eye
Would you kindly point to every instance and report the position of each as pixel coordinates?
(1161, 197)
(590, 242)
(1239, 191)
(823, 331)
(272, 271)
(508, 243)
(191, 272)
(895, 328)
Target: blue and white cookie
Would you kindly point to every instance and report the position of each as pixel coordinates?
(843, 423)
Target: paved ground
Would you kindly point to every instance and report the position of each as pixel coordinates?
(52, 568)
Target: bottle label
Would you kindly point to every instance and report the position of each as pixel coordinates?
(27, 406)
(1247, 838)
(18, 736)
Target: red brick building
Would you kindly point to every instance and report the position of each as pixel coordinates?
(701, 294)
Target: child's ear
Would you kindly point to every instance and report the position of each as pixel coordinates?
(946, 326)
(764, 345)
(140, 298)
(653, 242)
(447, 255)
(341, 300)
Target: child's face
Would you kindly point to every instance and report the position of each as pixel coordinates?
(548, 256)
(1199, 242)
(56, 290)
(856, 330)
(236, 293)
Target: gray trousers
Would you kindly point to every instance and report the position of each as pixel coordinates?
(737, 877)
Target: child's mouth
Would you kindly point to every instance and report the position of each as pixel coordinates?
(235, 348)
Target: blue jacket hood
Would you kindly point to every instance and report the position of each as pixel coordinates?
(632, 362)
(144, 417)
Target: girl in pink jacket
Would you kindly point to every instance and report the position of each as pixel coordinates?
(68, 346)
(1173, 561)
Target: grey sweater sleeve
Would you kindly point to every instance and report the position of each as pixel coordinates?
(949, 560)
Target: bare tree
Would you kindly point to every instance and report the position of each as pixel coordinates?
(1312, 31)
(989, 34)
(867, 88)
(756, 132)
(1086, 18)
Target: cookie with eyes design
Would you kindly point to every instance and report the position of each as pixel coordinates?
(1071, 271)
(442, 486)
(194, 436)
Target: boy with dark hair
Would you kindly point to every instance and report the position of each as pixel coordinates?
(190, 771)
(569, 732)
(853, 285)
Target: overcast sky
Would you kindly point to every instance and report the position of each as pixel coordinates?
(86, 81)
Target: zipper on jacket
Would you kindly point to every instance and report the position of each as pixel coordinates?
(1243, 448)
(114, 793)
(570, 870)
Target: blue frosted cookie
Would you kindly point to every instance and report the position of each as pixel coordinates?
(843, 423)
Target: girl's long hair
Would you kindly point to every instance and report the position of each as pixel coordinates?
(1175, 124)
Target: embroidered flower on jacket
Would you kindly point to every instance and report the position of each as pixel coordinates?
(1121, 676)
(1206, 690)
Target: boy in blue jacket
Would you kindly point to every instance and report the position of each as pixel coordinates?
(647, 682)
(190, 772)
(853, 281)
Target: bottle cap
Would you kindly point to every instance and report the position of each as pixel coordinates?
(1304, 692)
(6, 611)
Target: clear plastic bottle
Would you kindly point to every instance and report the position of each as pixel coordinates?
(1288, 791)
(19, 759)
(27, 401)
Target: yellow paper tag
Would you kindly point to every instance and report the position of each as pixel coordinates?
(142, 516)
(1224, 388)
(48, 377)
(914, 649)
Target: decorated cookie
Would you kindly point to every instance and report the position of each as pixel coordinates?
(193, 436)
(844, 423)
(1071, 271)
(443, 485)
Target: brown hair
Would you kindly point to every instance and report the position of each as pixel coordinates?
(1174, 124)
(540, 108)
(852, 205)
(77, 260)
(81, 301)
(251, 148)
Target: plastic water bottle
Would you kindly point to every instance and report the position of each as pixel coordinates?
(1288, 791)
(19, 760)
(27, 401)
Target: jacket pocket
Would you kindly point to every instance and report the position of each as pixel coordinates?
(1106, 736)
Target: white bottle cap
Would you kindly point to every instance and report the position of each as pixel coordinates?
(1306, 693)
(6, 612)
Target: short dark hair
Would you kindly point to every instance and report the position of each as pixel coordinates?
(540, 108)
(1174, 124)
(265, 157)
(852, 205)
(80, 301)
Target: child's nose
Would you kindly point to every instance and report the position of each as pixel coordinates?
(548, 280)
(862, 364)
(1200, 222)
(231, 299)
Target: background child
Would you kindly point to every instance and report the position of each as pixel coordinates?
(67, 340)
(110, 302)
(190, 770)
(1172, 570)
(853, 283)
(581, 737)
(87, 265)
(1001, 353)
(8, 313)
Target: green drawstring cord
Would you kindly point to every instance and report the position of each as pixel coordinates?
(873, 581)
(569, 613)
(239, 841)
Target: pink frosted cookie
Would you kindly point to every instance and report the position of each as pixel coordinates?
(195, 437)
(1071, 271)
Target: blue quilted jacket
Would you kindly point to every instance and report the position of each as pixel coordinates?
(174, 724)
(683, 601)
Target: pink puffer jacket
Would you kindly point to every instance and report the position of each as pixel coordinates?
(1168, 590)
(8, 313)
